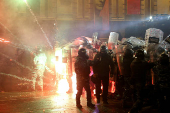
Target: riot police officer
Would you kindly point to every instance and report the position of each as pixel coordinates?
(139, 68)
(127, 60)
(82, 69)
(161, 72)
(103, 64)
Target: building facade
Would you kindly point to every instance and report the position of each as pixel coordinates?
(73, 18)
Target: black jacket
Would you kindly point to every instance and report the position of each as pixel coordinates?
(103, 64)
(139, 69)
(126, 66)
(82, 68)
(162, 76)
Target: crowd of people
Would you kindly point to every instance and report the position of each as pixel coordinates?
(134, 76)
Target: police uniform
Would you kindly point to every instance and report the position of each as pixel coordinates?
(103, 64)
(161, 72)
(139, 68)
(127, 60)
(82, 70)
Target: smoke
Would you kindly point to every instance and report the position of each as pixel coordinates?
(16, 16)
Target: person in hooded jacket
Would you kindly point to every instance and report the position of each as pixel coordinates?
(103, 66)
(82, 69)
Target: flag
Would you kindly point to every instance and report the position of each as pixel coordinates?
(105, 16)
(133, 7)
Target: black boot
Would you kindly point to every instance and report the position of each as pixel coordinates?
(79, 106)
(98, 101)
(78, 102)
(90, 105)
(105, 102)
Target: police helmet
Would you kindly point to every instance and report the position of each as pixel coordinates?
(140, 54)
(103, 49)
(128, 46)
(164, 59)
(128, 53)
(82, 52)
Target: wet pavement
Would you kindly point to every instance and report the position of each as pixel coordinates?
(51, 102)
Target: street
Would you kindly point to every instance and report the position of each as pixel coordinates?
(51, 102)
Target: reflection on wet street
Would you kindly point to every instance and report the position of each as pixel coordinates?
(51, 102)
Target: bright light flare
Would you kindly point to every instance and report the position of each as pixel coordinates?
(94, 91)
(59, 66)
(53, 60)
(74, 83)
(61, 70)
(151, 17)
(60, 100)
(63, 86)
(3, 40)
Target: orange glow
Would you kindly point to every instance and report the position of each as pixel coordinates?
(113, 87)
(61, 70)
(94, 91)
(95, 100)
(60, 100)
(74, 83)
(3, 40)
(59, 66)
(63, 86)
(6, 41)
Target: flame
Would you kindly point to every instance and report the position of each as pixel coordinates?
(113, 87)
(94, 91)
(74, 83)
(61, 70)
(59, 66)
(63, 86)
